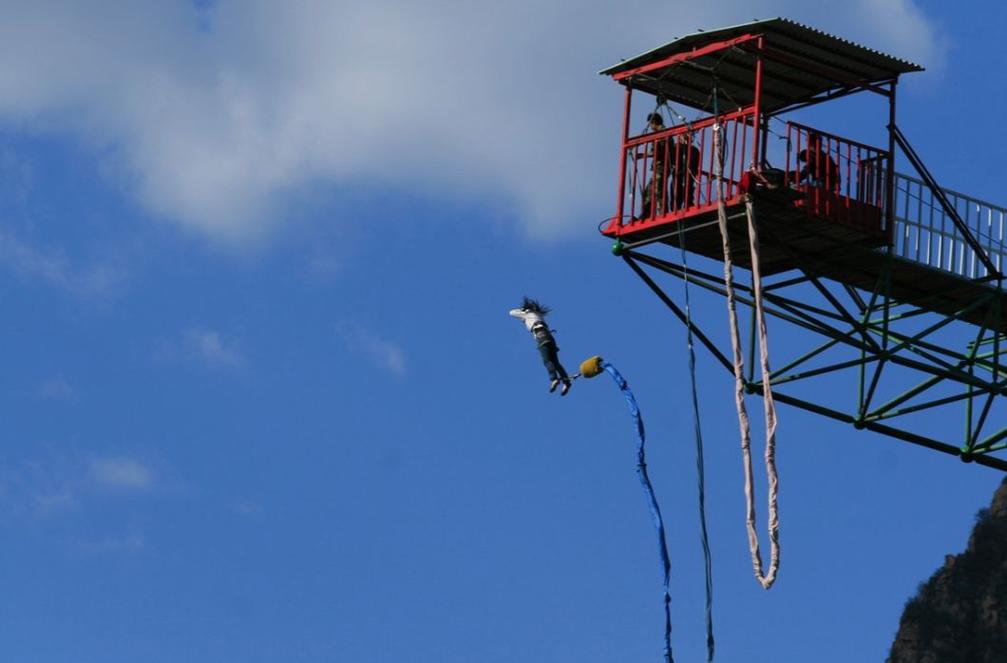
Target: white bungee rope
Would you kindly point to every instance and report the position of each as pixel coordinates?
(767, 579)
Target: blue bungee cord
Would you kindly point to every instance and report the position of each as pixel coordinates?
(700, 466)
(590, 368)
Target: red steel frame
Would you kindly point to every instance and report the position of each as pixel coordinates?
(683, 57)
(757, 44)
(699, 192)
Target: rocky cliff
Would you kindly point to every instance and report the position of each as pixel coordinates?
(960, 613)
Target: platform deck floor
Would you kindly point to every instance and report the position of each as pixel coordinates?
(790, 238)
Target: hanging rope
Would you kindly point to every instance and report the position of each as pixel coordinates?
(700, 466)
(769, 578)
(769, 405)
(590, 368)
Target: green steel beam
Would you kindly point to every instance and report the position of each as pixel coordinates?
(811, 354)
(822, 370)
(864, 335)
(806, 322)
(921, 440)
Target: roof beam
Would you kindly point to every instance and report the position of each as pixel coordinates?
(822, 70)
(820, 97)
(683, 57)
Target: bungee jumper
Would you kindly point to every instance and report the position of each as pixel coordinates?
(533, 315)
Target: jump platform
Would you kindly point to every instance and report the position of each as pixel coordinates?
(791, 238)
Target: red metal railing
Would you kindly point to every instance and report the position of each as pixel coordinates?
(670, 174)
(840, 179)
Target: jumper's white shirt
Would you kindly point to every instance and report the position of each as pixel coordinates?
(529, 318)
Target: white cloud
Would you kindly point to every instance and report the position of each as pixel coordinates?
(57, 389)
(55, 483)
(39, 487)
(901, 28)
(209, 347)
(205, 346)
(215, 116)
(321, 268)
(121, 473)
(54, 499)
(245, 507)
(31, 263)
(384, 354)
(130, 542)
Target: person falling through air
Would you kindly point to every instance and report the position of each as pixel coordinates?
(532, 314)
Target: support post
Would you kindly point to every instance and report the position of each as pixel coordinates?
(890, 168)
(757, 115)
(620, 208)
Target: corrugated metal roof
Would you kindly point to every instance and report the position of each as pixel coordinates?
(832, 63)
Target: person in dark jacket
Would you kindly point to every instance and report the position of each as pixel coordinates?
(655, 191)
(685, 171)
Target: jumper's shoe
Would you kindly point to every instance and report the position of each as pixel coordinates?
(553, 385)
(566, 388)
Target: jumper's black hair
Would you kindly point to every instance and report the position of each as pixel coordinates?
(530, 304)
(656, 119)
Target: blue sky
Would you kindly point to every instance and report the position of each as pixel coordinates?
(262, 397)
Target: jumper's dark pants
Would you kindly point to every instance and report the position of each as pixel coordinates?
(550, 354)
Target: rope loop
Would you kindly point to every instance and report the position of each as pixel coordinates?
(769, 577)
